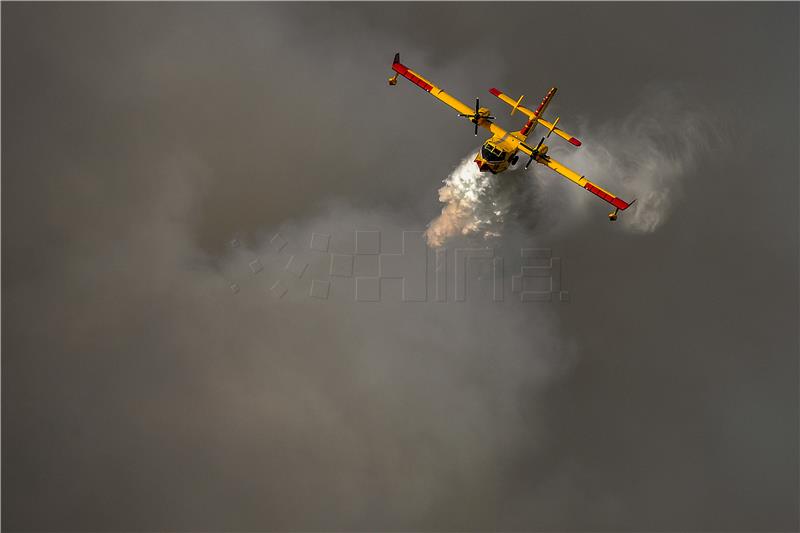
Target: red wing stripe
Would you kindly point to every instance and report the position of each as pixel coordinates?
(495, 92)
(404, 71)
(574, 141)
(620, 204)
(613, 200)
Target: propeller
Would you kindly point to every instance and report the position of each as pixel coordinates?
(476, 116)
(535, 151)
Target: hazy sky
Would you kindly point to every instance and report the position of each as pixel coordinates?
(140, 392)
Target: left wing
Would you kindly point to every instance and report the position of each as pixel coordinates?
(618, 203)
(427, 86)
(455, 103)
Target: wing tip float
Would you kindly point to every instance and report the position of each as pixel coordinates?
(612, 216)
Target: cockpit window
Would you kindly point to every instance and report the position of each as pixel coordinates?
(491, 153)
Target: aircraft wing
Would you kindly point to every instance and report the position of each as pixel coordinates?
(429, 87)
(576, 178)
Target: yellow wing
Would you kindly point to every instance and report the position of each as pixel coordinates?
(535, 116)
(576, 178)
(427, 86)
(510, 140)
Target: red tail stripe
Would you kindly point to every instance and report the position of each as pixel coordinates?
(527, 127)
(547, 97)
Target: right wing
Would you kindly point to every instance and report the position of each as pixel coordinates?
(575, 178)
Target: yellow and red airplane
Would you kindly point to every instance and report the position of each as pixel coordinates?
(500, 151)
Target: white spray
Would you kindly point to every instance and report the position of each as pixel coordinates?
(477, 203)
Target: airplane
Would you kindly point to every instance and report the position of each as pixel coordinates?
(501, 150)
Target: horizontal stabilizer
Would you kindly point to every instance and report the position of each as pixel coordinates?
(535, 116)
(561, 133)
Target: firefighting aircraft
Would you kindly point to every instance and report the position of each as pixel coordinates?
(500, 151)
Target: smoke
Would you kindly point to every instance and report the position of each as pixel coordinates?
(144, 392)
(646, 156)
(406, 396)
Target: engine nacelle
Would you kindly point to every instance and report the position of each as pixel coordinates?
(483, 113)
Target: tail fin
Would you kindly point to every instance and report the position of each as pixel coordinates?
(545, 102)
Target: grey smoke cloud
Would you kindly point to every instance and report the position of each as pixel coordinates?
(647, 154)
(140, 392)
